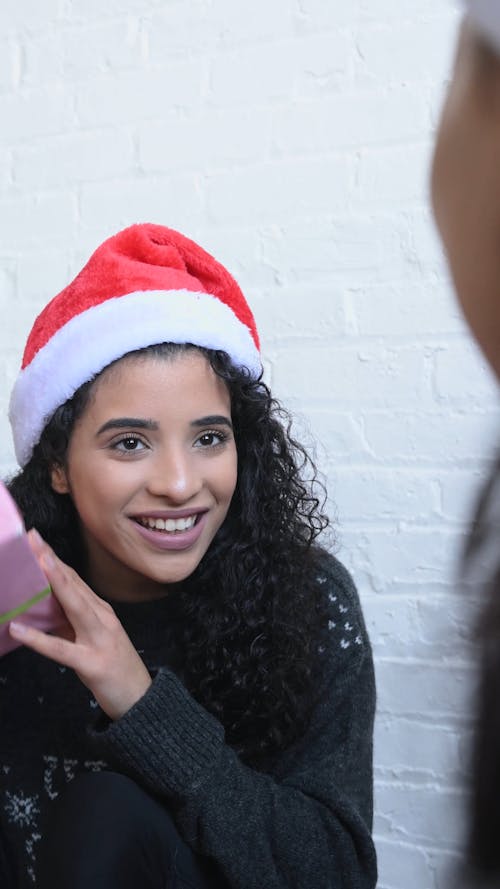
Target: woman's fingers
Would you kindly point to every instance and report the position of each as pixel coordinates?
(58, 649)
(75, 598)
(78, 601)
(100, 651)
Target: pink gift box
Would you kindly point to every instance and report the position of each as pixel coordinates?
(24, 589)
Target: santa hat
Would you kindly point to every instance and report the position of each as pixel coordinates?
(485, 15)
(145, 285)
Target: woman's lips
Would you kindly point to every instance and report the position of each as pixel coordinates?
(172, 540)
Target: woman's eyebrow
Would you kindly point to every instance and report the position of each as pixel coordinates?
(127, 422)
(152, 425)
(213, 420)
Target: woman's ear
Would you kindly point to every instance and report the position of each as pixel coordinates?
(59, 479)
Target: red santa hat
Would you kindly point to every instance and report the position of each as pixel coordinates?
(145, 285)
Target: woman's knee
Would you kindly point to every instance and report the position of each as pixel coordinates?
(104, 826)
(108, 832)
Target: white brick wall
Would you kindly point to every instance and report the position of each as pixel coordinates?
(292, 138)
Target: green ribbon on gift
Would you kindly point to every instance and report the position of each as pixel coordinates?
(14, 612)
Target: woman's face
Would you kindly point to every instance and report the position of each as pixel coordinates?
(466, 189)
(151, 468)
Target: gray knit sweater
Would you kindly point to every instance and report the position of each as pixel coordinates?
(303, 823)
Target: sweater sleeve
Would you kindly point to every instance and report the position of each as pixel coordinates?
(307, 824)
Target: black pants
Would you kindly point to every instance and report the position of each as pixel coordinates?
(108, 833)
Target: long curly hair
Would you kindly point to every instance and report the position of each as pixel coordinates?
(252, 611)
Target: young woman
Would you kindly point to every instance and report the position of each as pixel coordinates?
(466, 196)
(205, 717)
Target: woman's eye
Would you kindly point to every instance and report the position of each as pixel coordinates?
(210, 439)
(128, 443)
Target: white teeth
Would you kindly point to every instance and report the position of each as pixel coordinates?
(168, 524)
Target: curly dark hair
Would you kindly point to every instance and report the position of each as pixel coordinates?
(252, 611)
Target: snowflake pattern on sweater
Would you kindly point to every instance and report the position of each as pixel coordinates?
(31, 779)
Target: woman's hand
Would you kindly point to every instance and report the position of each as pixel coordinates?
(96, 646)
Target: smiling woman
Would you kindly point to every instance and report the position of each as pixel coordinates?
(151, 475)
(214, 728)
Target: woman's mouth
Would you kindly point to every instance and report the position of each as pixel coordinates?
(171, 534)
(169, 525)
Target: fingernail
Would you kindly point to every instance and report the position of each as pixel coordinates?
(18, 629)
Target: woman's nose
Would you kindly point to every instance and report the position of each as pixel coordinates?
(173, 474)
